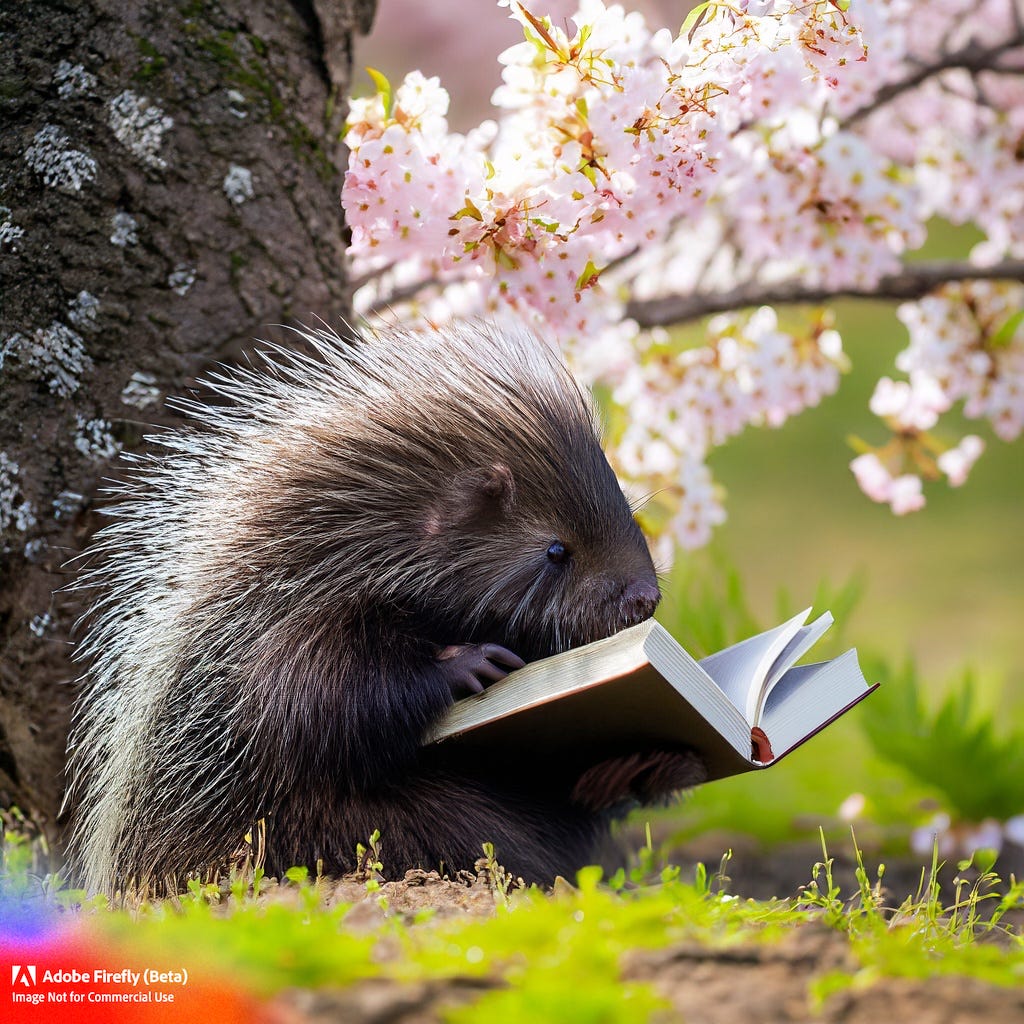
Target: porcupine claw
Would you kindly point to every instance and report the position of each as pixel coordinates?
(472, 667)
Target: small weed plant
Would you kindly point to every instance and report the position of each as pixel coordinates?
(958, 750)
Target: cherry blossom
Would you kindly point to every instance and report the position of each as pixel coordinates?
(902, 492)
(634, 177)
(957, 461)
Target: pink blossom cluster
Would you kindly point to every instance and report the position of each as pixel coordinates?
(767, 142)
(682, 404)
(958, 132)
(901, 491)
(826, 210)
(407, 175)
(611, 139)
(966, 345)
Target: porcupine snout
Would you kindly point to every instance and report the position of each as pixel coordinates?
(638, 601)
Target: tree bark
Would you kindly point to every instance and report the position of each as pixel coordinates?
(169, 190)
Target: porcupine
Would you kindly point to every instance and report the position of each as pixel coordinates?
(294, 590)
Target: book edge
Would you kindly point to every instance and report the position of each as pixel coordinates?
(437, 736)
(642, 631)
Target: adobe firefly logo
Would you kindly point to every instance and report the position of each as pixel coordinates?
(23, 974)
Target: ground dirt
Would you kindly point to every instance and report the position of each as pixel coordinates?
(703, 985)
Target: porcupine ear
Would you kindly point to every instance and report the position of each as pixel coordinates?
(474, 496)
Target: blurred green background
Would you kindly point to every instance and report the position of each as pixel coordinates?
(942, 587)
(944, 584)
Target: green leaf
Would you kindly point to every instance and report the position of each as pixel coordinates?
(383, 89)
(1005, 334)
(694, 17)
(859, 445)
(469, 210)
(540, 28)
(504, 259)
(589, 275)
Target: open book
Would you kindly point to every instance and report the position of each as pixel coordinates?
(742, 708)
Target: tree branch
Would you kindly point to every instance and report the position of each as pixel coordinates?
(970, 57)
(914, 281)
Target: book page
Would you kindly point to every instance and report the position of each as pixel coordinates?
(806, 637)
(640, 689)
(808, 696)
(741, 670)
(694, 685)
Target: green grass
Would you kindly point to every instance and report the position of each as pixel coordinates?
(557, 956)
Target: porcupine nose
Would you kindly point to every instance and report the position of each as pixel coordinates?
(638, 601)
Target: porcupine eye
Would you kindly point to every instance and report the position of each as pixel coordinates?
(558, 553)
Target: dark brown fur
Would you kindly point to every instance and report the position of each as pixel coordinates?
(283, 592)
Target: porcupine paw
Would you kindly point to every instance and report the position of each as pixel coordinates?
(646, 776)
(472, 667)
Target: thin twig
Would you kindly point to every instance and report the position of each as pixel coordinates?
(403, 293)
(355, 283)
(914, 281)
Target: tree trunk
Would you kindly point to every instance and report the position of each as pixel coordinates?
(169, 190)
